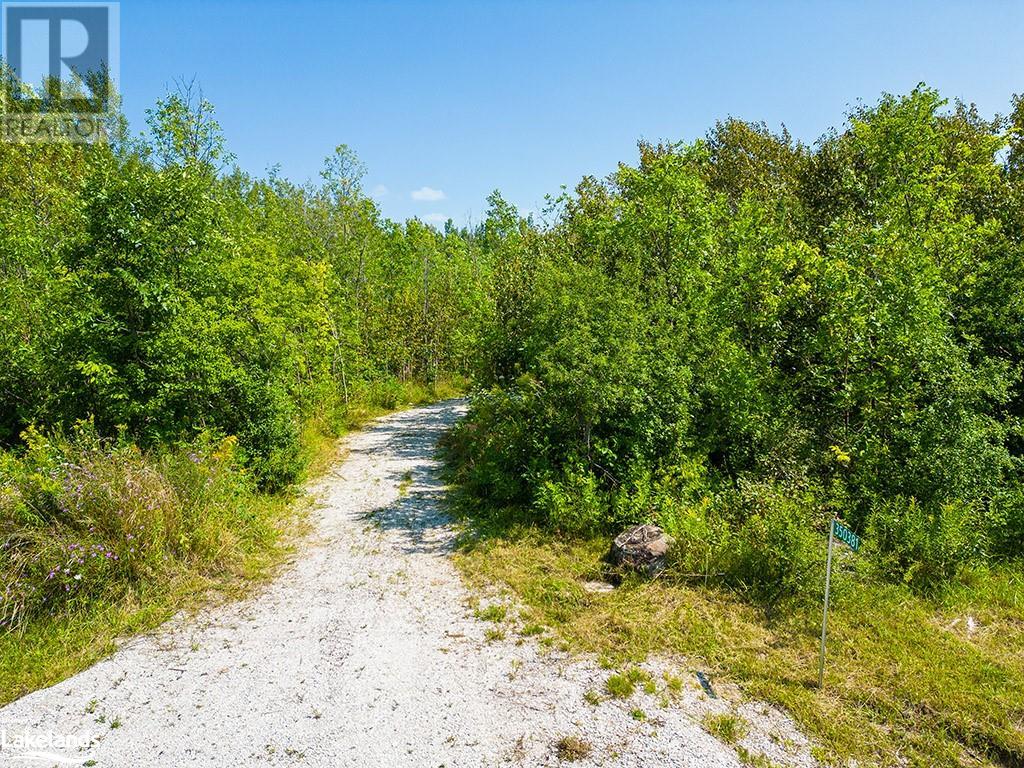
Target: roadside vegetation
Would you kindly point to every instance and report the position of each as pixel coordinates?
(103, 539)
(912, 679)
(181, 344)
(738, 339)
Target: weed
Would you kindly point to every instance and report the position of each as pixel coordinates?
(405, 484)
(572, 748)
(673, 684)
(493, 634)
(620, 686)
(495, 612)
(514, 669)
(727, 727)
(623, 685)
(753, 759)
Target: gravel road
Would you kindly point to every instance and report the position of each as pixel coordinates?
(364, 651)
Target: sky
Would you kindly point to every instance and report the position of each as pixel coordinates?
(445, 101)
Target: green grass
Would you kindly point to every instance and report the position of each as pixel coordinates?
(493, 634)
(753, 759)
(623, 685)
(495, 612)
(47, 650)
(619, 686)
(239, 545)
(907, 683)
(728, 727)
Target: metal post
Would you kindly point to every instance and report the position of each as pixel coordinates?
(824, 617)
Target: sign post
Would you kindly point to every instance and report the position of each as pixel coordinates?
(836, 530)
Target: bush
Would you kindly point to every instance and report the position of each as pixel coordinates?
(573, 504)
(1006, 523)
(923, 545)
(777, 547)
(83, 519)
(490, 452)
(268, 430)
(814, 329)
(761, 539)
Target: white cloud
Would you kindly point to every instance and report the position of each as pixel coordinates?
(428, 194)
(380, 191)
(436, 218)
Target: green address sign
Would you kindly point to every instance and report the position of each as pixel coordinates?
(847, 536)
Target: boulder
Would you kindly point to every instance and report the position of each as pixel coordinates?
(641, 548)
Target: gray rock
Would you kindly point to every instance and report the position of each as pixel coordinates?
(641, 548)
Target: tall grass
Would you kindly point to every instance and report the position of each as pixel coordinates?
(83, 519)
(99, 538)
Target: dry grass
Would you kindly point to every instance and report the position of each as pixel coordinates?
(47, 649)
(572, 748)
(909, 682)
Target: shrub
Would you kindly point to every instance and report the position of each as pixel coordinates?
(1006, 523)
(801, 330)
(925, 544)
(573, 504)
(776, 543)
(83, 519)
(490, 453)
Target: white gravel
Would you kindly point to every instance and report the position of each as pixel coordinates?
(365, 652)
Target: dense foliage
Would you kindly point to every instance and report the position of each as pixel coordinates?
(168, 327)
(741, 337)
(145, 289)
(737, 338)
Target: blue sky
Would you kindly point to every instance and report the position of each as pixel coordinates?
(454, 99)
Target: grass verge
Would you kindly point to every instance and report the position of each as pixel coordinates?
(101, 541)
(911, 680)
